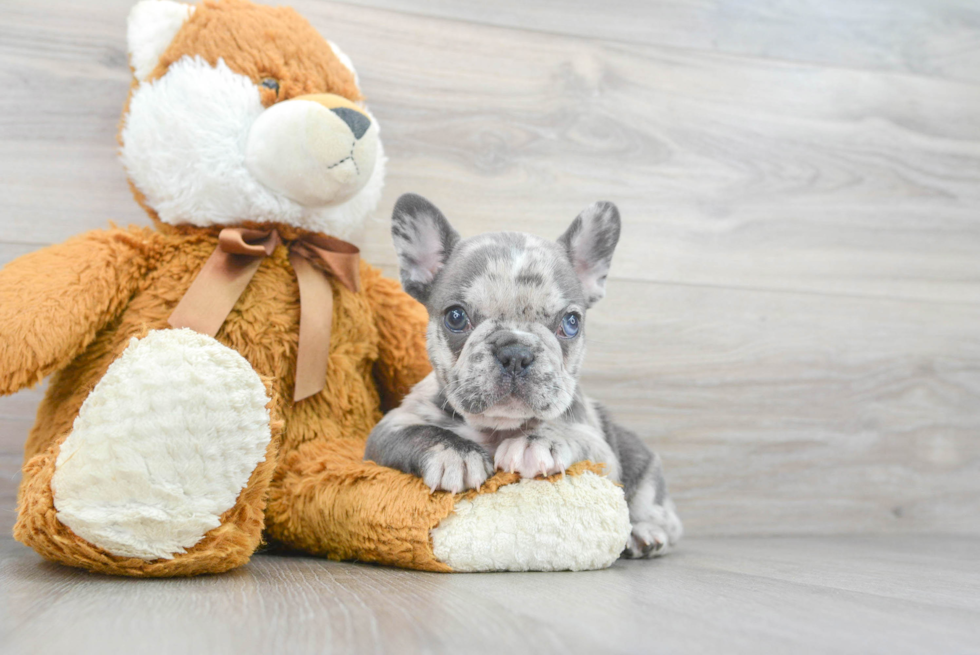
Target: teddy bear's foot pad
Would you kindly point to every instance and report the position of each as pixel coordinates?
(576, 523)
(162, 446)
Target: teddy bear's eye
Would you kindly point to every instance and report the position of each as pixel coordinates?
(271, 83)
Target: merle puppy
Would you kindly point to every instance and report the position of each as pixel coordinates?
(506, 338)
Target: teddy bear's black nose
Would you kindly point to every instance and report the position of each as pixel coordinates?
(356, 121)
(515, 358)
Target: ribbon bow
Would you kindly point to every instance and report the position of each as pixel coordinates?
(230, 268)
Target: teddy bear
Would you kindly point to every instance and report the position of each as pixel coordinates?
(213, 379)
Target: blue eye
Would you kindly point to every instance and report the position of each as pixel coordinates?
(569, 326)
(270, 84)
(456, 319)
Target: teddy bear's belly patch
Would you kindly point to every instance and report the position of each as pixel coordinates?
(162, 446)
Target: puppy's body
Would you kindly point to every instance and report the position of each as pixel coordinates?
(506, 341)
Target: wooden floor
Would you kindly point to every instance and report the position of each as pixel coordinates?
(792, 319)
(870, 594)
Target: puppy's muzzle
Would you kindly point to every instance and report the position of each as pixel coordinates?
(514, 358)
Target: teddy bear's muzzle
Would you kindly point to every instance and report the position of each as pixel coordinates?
(317, 149)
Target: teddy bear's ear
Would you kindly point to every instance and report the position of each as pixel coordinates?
(151, 26)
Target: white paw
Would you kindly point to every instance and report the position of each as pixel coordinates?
(656, 533)
(450, 470)
(530, 457)
(162, 446)
(646, 540)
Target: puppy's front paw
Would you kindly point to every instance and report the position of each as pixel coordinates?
(530, 457)
(447, 469)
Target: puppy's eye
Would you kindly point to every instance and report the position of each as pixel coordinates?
(569, 326)
(456, 319)
(270, 83)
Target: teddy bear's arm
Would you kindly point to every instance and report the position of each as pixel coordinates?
(401, 322)
(54, 301)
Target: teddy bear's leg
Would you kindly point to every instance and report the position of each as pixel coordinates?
(327, 500)
(165, 469)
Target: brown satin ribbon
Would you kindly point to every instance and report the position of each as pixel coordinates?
(230, 268)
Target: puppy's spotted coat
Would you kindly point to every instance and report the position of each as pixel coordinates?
(506, 338)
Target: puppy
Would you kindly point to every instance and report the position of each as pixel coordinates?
(506, 338)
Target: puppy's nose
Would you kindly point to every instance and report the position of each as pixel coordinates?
(515, 358)
(356, 121)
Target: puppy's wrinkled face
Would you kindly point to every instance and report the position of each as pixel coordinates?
(506, 333)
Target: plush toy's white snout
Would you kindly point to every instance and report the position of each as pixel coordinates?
(316, 149)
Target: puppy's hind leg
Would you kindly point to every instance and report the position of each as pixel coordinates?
(656, 527)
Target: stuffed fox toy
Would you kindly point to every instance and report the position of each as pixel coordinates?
(214, 378)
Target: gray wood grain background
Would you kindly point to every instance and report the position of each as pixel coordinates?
(793, 317)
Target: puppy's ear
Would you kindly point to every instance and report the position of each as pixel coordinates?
(589, 242)
(424, 239)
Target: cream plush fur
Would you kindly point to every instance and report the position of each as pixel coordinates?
(304, 151)
(576, 523)
(153, 460)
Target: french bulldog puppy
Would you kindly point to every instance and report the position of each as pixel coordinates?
(506, 338)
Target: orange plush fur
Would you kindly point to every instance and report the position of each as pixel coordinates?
(73, 309)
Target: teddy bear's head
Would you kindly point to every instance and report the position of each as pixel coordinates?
(243, 113)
